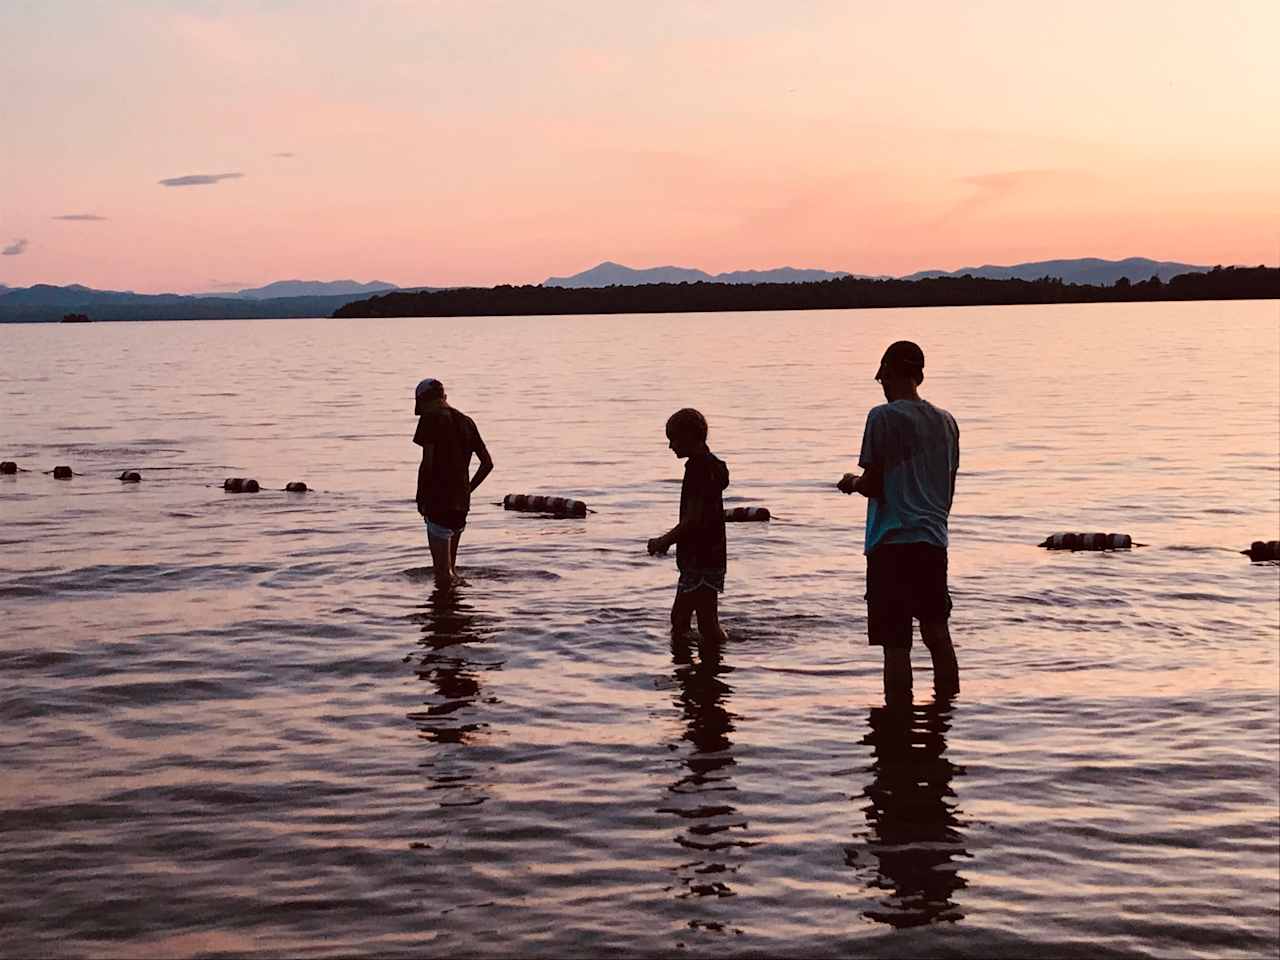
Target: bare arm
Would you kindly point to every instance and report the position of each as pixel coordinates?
(424, 476)
(870, 484)
(694, 519)
(485, 468)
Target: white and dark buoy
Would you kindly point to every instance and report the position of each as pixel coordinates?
(1088, 541)
(62, 473)
(1263, 550)
(747, 514)
(131, 476)
(7, 467)
(296, 486)
(240, 485)
(560, 506)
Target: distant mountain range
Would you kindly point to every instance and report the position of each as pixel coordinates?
(320, 298)
(309, 288)
(1088, 270)
(44, 302)
(609, 274)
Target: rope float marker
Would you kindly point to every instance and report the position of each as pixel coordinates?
(747, 514)
(559, 506)
(1088, 541)
(1263, 550)
(240, 485)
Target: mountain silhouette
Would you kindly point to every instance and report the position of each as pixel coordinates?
(610, 274)
(309, 288)
(1089, 270)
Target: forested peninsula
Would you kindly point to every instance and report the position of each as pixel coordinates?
(1221, 283)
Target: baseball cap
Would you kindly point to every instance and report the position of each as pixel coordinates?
(902, 354)
(429, 385)
(427, 389)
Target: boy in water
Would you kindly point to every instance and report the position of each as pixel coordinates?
(448, 439)
(699, 536)
(910, 452)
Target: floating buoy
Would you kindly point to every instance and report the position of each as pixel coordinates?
(1263, 550)
(131, 476)
(1088, 541)
(8, 467)
(240, 485)
(296, 486)
(560, 506)
(62, 473)
(745, 514)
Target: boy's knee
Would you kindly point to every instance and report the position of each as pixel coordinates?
(936, 634)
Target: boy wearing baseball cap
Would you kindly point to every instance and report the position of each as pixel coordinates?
(448, 439)
(910, 455)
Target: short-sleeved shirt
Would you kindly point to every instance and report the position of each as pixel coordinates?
(453, 438)
(702, 547)
(917, 445)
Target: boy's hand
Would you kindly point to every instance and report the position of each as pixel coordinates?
(658, 545)
(848, 483)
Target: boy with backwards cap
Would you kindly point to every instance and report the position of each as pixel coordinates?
(910, 455)
(448, 438)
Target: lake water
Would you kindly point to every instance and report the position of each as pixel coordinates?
(245, 725)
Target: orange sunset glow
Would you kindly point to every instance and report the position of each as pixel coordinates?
(482, 143)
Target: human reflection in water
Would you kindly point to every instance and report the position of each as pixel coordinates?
(710, 825)
(451, 721)
(915, 833)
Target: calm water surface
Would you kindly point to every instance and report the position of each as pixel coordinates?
(245, 725)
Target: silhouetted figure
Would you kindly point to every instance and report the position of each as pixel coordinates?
(449, 439)
(910, 454)
(699, 536)
(911, 812)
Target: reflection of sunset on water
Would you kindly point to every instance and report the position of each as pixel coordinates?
(254, 709)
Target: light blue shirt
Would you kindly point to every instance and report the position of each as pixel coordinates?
(918, 447)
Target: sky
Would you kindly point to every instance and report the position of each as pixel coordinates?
(194, 146)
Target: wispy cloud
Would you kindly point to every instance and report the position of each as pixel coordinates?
(990, 189)
(199, 179)
(81, 217)
(15, 248)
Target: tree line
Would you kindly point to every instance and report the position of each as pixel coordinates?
(1220, 283)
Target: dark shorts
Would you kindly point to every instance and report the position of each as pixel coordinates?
(440, 521)
(700, 579)
(905, 581)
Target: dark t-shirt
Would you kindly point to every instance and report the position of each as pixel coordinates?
(454, 439)
(702, 547)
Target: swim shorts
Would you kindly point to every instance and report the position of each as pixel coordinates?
(445, 524)
(695, 579)
(905, 581)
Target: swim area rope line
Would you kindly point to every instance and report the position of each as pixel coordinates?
(1260, 551)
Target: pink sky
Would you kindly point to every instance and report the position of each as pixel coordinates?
(451, 143)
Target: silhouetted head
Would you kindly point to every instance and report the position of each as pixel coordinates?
(686, 431)
(427, 392)
(901, 370)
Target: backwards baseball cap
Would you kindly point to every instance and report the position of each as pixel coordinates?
(427, 389)
(904, 355)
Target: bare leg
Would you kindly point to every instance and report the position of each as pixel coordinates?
(440, 562)
(707, 605)
(681, 614)
(897, 676)
(453, 555)
(946, 671)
